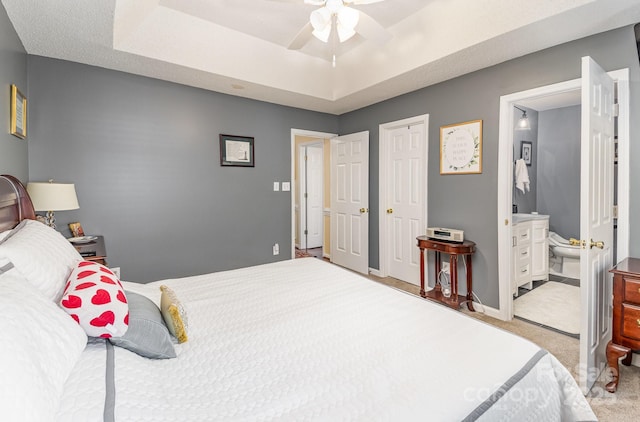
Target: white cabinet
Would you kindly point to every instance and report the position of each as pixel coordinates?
(521, 256)
(530, 251)
(540, 249)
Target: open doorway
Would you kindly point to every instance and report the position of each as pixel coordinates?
(598, 114)
(310, 199)
(563, 94)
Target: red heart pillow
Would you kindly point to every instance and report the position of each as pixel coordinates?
(95, 298)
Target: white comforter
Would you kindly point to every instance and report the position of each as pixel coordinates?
(306, 340)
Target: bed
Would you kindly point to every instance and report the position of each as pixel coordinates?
(293, 340)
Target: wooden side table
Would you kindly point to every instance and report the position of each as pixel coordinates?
(466, 248)
(93, 251)
(626, 317)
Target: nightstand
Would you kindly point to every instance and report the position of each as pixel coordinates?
(93, 251)
(626, 317)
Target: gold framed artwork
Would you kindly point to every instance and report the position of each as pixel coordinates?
(461, 148)
(18, 113)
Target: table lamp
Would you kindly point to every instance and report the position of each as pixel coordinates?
(52, 197)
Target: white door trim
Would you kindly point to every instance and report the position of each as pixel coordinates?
(294, 134)
(505, 176)
(383, 133)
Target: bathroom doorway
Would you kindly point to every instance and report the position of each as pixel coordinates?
(547, 213)
(594, 320)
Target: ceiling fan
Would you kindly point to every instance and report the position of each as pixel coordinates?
(346, 20)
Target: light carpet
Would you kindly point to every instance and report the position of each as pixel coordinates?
(555, 305)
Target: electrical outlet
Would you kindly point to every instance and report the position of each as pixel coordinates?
(276, 186)
(276, 249)
(116, 271)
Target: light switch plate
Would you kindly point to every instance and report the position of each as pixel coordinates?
(276, 186)
(286, 186)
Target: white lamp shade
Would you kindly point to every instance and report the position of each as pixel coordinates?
(323, 35)
(53, 196)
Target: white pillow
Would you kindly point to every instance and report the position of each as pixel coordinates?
(40, 347)
(4, 234)
(42, 255)
(4, 261)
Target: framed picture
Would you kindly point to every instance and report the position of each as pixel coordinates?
(461, 148)
(18, 113)
(526, 150)
(236, 151)
(76, 229)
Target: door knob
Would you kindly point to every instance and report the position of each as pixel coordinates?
(390, 211)
(363, 210)
(599, 244)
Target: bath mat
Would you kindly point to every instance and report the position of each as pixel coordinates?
(555, 305)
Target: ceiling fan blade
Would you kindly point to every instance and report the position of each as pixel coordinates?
(371, 29)
(302, 38)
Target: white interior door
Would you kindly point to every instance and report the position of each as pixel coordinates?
(596, 219)
(350, 201)
(405, 152)
(314, 195)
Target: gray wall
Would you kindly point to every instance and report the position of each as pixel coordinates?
(13, 70)
(139, 149)
(144, 155)
(559, 169)
(469, 202)
(527, 201)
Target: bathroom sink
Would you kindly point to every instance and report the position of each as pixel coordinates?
(518, 217)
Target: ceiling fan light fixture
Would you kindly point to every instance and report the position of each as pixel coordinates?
(344, 33)
(348, 17)
(320, 19)
(323, 35)
(334, 5)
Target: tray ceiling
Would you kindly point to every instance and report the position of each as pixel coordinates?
(239, 47)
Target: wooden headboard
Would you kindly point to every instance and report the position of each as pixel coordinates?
(15, 204)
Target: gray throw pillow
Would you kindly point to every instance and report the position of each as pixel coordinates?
(147, 335)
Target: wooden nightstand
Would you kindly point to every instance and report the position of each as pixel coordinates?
(93, 251)
(626, 316)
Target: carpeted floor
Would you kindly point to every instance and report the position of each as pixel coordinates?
(624, 405)
(552, 304)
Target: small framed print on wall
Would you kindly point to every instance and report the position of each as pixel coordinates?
(461, 148)
(526, 150)
(18, 113)
(236, 151)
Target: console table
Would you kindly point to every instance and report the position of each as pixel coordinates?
(466, 248)
(626, 317)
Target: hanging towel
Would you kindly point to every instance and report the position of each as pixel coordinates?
(522, 175)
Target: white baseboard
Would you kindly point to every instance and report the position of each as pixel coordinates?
(488, 311)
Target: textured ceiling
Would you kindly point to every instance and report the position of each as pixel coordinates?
(239, 47)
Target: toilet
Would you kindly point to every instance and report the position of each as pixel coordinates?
(564, 258)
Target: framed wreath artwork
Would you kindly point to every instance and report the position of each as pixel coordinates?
(461, 148)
